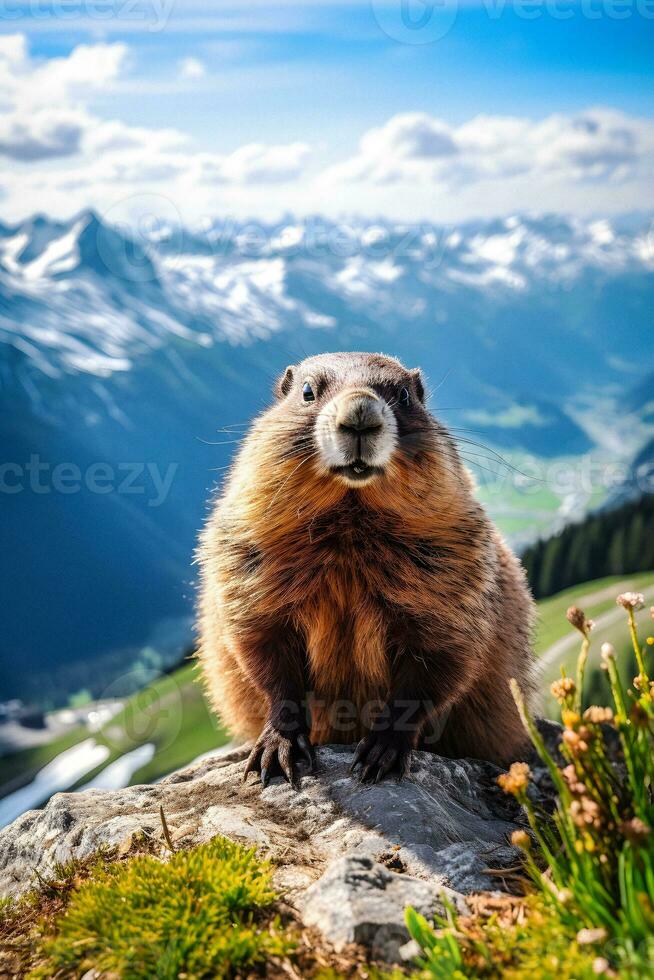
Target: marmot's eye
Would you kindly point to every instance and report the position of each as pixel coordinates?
(405, 398)
(307, 392)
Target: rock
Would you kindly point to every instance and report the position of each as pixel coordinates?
(358, 900)
(348, 857)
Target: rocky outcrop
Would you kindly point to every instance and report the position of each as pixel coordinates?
(348, 857)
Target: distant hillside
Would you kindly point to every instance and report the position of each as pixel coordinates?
(615, 542)
(557, 643)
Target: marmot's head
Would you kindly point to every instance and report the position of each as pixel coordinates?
(357, 412)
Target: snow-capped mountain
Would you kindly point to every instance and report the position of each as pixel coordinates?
(82, 297)
(132, 348)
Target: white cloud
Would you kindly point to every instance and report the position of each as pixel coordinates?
(597, 143)
(252, 164)
(191, 68)
(13, 48)
(26, 83)
(45, 133)
(413, 167)
(249, 166)
(45, 114)
(48, 118)
(402, 146)
(105, 137)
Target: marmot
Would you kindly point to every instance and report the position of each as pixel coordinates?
(351, 585)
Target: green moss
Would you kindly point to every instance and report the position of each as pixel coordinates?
(206, 912)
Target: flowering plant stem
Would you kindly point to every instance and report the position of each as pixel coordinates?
(633, 630)
(581, 670)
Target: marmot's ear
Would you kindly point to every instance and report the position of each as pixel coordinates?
(419, 383)
(283, 384)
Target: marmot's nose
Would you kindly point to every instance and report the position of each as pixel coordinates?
(359, 413)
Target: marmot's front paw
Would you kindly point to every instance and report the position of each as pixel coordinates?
(275, 752)
(380, 753)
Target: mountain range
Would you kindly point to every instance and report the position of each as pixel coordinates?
(131, 359)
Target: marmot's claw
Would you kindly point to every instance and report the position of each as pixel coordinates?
(306, 748)
(377, 757)
(274, 751)
(251, 764)
(360, 751)
(387, 761)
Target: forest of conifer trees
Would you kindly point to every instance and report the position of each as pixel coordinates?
(615, 542)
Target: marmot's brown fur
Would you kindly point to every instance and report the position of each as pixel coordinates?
(351, 585)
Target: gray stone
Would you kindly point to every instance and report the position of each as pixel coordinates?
(360, 901)
(379, 847)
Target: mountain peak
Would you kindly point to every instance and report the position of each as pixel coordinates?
(106, 251)
(88, 217)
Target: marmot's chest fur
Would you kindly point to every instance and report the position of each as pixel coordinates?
(345, 619)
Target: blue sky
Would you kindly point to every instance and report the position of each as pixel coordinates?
(322, 76)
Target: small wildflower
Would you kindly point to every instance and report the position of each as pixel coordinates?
(641, 683)
(635, 830)
(607, 651)
(650, 641)
(597, 715)
(516, 780)
(631, 600)
(574, 784)
(585, 813)
(564, 896)
(575, 741)
(602, 967)
(563, 689)
(570, 718)
(577, 618)
(585, 937)
(521, 839)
